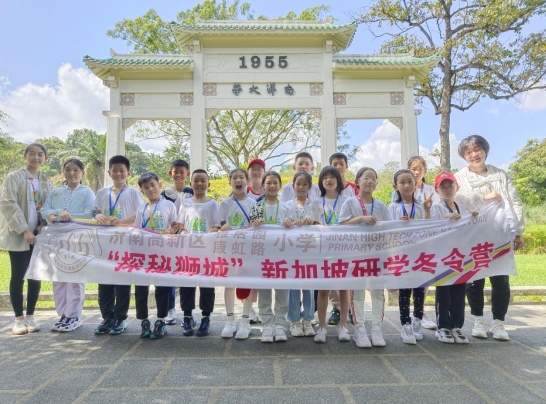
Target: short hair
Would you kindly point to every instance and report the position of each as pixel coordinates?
(395, 179)
(338, 155)
(361, 172)
(271, 173)
(478, 140)
(307, 177)
(180, 163)
(38, 145)
(238, 170)
(119, 160)
(147, 177)
(303, 154)
(332, 171)
(199, 171)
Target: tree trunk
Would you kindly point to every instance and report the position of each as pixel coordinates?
(445, 102)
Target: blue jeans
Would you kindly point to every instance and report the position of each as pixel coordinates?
(294, 305)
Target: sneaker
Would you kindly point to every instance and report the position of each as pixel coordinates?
(280, 334)
(160, 329)
(230, 328)
(243, 328)
(479, 330)
(104, 327)
(187, 326)
(428, 324)
(343, 334)
(268, 335)
(308, 329)
(254, 318)
(408, 337)
(444, 335)
(118, 327)
(72, 324)
(296, 329)
(417, 330)
(55, 327)
(145, 328)
(171, 317)
(376, 334)
(360, 337)
(32, 325)
(498, 331)
(459, 337)
(203, 329)
(335, 316)
(320, 336)
(19, 327)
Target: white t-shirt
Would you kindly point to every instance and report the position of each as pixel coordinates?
(311, 209)
(121, 205)
(199, 217)
(348, 191)
(397, 210)
(420, 193)
(288, 194)
(237, 215)
(250, 193)
(352, 208)
(330, 209)
(440, 210)
(156, 216)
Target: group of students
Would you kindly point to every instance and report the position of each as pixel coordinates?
(257, 197)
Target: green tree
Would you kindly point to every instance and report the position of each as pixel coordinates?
(529, 172)
(11, 151)
(486, 49)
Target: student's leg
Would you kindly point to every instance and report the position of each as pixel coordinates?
(162, 294)
(59, 294)
(123, 296)
(500, 296)
(264, 307)
(281, 307)
(247, 307)
(308, 305)
(107, 300)
(322, 306)
(187, 300)
(19, 263)
(357, 306)
(294, 305)
(378, 306)
(172, 298)
(75, 300)
(141, 302)
(457, 305)
(474, 294)
(206, 301)
(404, 296)
(229, 301)
(443, 306)
(418, 302)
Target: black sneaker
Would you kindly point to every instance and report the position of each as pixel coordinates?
(160, 329)
(187, 326)
(118, 327)
(335, 316)
(146, 330)
(104, 327)
(203, 330)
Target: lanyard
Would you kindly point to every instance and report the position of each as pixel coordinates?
(329, 217)
(113, 207)
(405, 213)
(364, 209)
(451, 210)
(145, 221)
(243, 209)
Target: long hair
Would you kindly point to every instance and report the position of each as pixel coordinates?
(333, 172)
(395, 180)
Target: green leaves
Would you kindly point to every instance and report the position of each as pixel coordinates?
(529, 172)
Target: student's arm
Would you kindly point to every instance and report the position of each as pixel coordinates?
(9, 206)
(48, 212)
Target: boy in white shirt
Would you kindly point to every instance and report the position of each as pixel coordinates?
(303, 163)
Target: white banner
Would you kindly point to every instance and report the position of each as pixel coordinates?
(388, 255)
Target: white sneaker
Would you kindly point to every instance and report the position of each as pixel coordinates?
(268, 335)
(73, 323)
(320, 336)
(59, 323)
(308, 329)
(343, 334)
(360, 337)
(376, 334)
(459, 337)
(417, 330)
(444, 335)
(171, 317)
(230, 328)
(498, 331)
(243, 328)
(280, 334)
(296, 329)
(254, 318)
(408, 337)
(428, 324)
(479, 330)
(19, 327)
(32, 325)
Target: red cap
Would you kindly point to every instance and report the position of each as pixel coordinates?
(260, 162)
(444, 176)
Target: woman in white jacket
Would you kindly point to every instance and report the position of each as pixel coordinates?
(481, 184)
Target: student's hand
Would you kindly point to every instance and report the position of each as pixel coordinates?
(518, 243)
(368, 220)
(52, 218)
(214, 229)
(405, 218)
(455, 216)
(289, 223)
(102, 219)
(493, 197)
(115, 222)
(225, 227)
(307, 221)
(257, 222)
(29, 237)
(65, 216)
(427, 203)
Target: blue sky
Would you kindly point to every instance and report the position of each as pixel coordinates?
(41, 72)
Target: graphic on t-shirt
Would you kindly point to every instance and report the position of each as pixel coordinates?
(236, 220)
(198, 225)
(116, 212)
(156, 222)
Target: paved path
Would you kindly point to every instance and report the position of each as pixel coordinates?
(80, 367)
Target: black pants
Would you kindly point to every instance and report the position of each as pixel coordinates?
(19, 264)
(500, 296)
(161, 301)
(114, 301)
(206, 300)
(404, 296)
(450, 306)
(172, 298)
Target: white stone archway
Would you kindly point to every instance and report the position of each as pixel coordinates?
(261, 65)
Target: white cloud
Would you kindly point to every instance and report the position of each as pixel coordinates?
(4, 84)
(534, 100)
(42, 110)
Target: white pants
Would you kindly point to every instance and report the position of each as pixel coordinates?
(281, 307)
(69, 298)
(378, 306)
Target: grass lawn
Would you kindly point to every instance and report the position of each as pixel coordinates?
(531, 271)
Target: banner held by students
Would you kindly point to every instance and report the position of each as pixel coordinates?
(390, 255)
